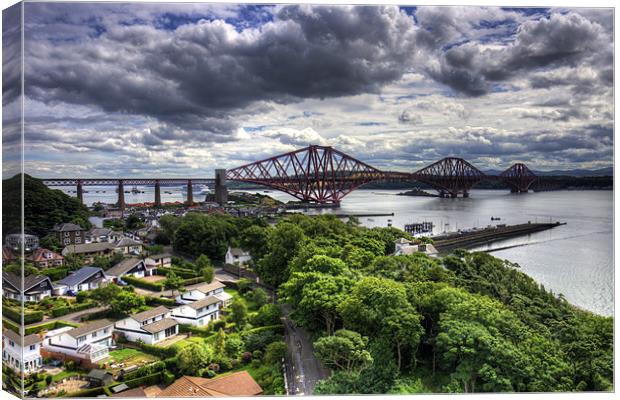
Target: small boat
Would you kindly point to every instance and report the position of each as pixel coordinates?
(496, 219)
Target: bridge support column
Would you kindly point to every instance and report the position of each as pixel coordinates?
(121, 195)
(157, 194)
(221, 192)
(465, 194)
(190, 193)
(80, 192)
(454, 195)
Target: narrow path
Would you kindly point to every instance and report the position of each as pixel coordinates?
(304, 370)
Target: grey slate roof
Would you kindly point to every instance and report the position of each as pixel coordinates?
(29, 281)
(127, 242)
(90, 327)
(207, 301)
(67, 227)
(160, 325)
(79, 276)
(124, 266)
(16, 337)
(239, 252)
(87, 248)
(154, 312)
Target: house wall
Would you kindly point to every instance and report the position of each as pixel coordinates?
(12, 356)
(67, 344)
(188, 315)
(132, 330)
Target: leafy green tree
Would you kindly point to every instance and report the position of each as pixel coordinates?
(202, 262)
(268, 314)
(405, 331)
(173, 282)
(283, 243)
(133, 222)
(275, 352)
(105, 294)
(234, 345)
(239, 313)
(192, 359)
(219, 346)
(258, 296)
(126, 302)
(51, 242)
(254, 239)
(169, 224)
(204, 234)
(345, 350)
(207, 274)
(339, 382)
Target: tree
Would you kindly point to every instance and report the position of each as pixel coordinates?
(405, 330)
(133, 222)
(234, 345)
(254, 239)
(345, 350)
(51, 242)
(173, 282)
(169, 224)
(268, 314)
(207, 274)
(283, 242)
(192, 359)
(239, 313)
(202, 262)
(219, 345)
(105, 294)
(258, 296)
(126, 302)
(275, 352)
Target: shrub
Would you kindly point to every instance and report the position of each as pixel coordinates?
(161, 352)
(217, 325)
(168, 378)
(260, 340)
(267, 315)
(48, 326)
(60, 311)
(153, 286)
(146, 380)
(55, 274)
(202, 332)
(193, 281)
(149, 369)
(48, 379)
(15, 315)
(258, 296)
(82, 296)
(159, 301)
(244, 285)
(257, 355)
(246, 357)
(274, 352)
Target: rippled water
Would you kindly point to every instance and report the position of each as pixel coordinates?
(575, 259)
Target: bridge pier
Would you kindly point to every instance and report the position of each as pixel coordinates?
(121, 195)
(465, 194)
(190, 193)
(80, 191)
(157, 193)
(221, 192)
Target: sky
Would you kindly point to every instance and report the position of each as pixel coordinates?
(115, 89)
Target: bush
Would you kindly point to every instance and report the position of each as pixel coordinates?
(258, 296)
(82, 296)
(15, 315)
(55, 274)
(168, 378)
(161, 352)
(267, 315)
(149, 369)
(153, 286)
(274, 352)
(217, 325)
(193, 281)
(257, 355)
(244, 285)
(246, 357)
(146, 380)
(48, 326)
(60, 311)
(183, 272)
(260, 340)
(202, 332)
(159, 301)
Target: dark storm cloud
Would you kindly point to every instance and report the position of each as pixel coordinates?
(193, 77)
(11, 51)
(561, 40)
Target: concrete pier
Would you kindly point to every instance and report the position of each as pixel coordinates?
(121, 195)
(190, 193)
(157, 194)
(221, 192)
(80, 191)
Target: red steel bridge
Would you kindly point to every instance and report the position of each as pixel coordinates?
(324, 175)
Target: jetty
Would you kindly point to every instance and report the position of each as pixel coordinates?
(474, 237)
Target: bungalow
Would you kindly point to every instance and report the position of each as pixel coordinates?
(129, 267)
(159, 260)
(90, 342)
(128, 246)
(238, 384)
(16, 348)
(405, 247)
(198, 313)
(43, 258)
(7, 255)
(237, 256)
(105, 235)
(200, 292)
(90, 250)
(150, 326)
(85, 278)
(33, 287)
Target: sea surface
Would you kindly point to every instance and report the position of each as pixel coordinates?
(575, 259)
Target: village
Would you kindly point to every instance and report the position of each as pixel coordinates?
(111, 313)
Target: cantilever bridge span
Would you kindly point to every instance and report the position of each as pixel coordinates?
(323, 175)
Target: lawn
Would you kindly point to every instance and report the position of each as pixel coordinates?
(64, 374)
(121, 355)
(129, 357)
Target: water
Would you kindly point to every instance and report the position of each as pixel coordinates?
(574, 259)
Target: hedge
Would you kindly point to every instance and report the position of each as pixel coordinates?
(279, 328)
(182, 272)
(193, 281)
(157, 301)
(152, 379)
(150, 369)
(168, 377)
(16, 316)
(97, 315)
(7, 323)
(154, 286)
(60, 311)
(55, 274)
(48, 326)
(202, 332)
(161, 352)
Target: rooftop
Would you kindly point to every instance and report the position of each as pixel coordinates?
(90, 327)
(67, 227)
(148, 314)
(87, 248)
(124, 266)
(29, 280)
(17, 338)
(79, 276)
(160, 325)
(236, 384)
(207, 301)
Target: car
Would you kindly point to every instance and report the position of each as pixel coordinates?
(71, 293)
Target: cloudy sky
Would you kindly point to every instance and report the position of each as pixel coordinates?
(181, 89)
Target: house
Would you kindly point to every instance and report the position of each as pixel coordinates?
(129, 267)
(198, 313)
(99, 235)
(69, 234)
(44, 258)
(404, 247)
(85, 278)
(7, 255)
(237, 256)
(35, 287)
(200, 292)
(99, 377)
(14, 241)
(150, 326)
(159, 260)
(128, 246)
(89, 250)
(16, 348)
(90, 342)
(238, 384)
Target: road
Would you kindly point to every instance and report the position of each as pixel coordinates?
(303, 369)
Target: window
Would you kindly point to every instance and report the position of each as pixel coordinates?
(156, 336)
(67, 241)
(78, 240)
(81, 339)
(78, 233)
(32, 347)
(11, 343)
(94, 334)
(105, 331)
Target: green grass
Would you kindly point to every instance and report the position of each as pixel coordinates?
(124, 354)
(64, 374)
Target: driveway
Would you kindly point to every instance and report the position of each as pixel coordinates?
(303, 369)
(73, 317)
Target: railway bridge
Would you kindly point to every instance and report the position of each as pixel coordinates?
(319, 174)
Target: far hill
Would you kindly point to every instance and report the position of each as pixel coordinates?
(43, 207)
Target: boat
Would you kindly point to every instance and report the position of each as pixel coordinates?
(496, 219)
(135, 190)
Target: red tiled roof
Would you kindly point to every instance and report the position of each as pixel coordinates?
(237, 384)
(7, 254)
(39, 255)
